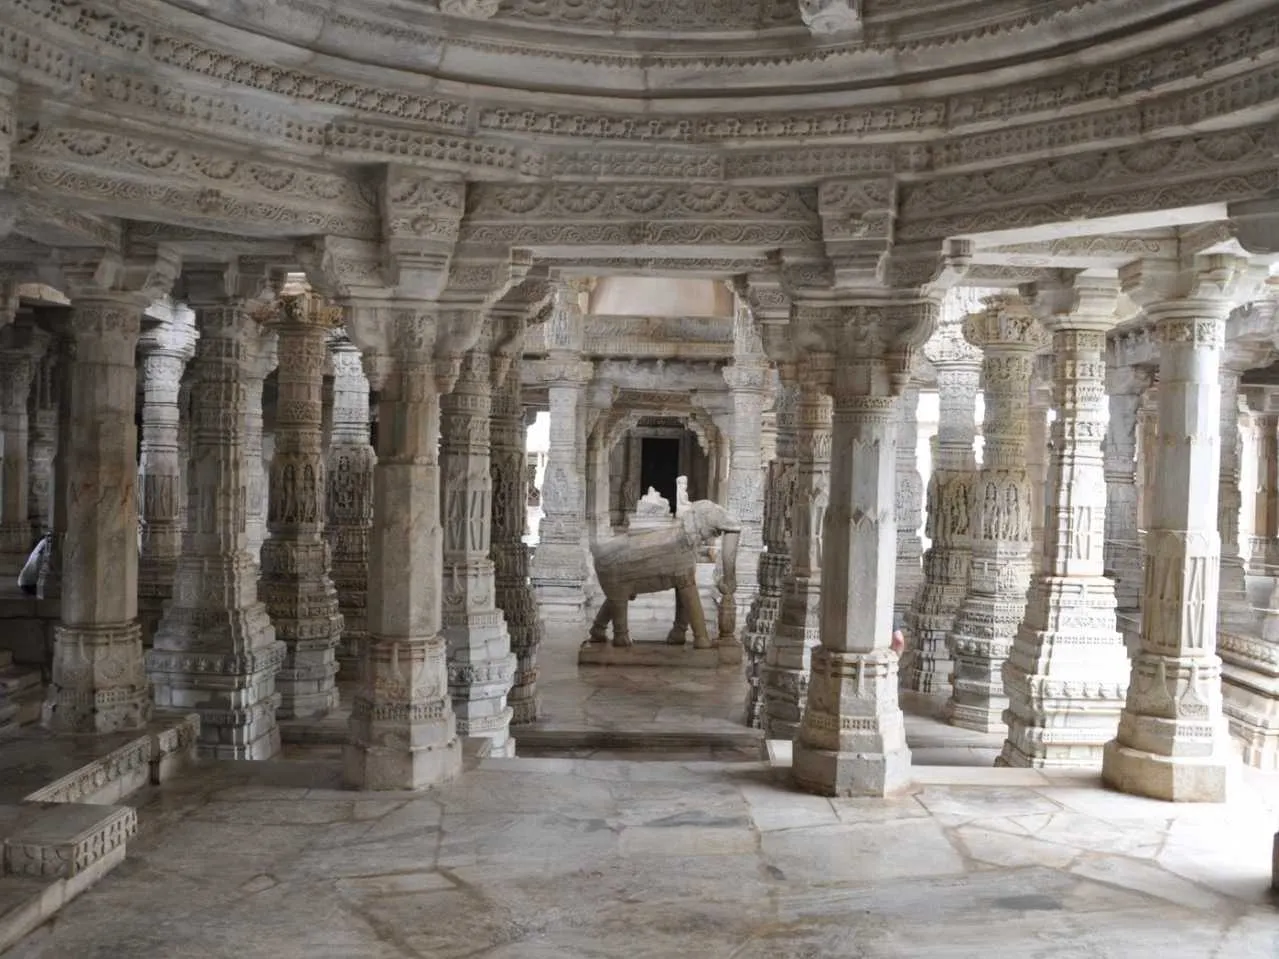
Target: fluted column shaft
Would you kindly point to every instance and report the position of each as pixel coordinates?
(160, 471)
(513, 588)
(349, 491)
(1002, 504)
(775, 562)
(99, 684)
(481, 667)
(1066, 673)
(295, 584)
(215, 650)
(402, 732)
(909, 507)
(788, 656)
(1173, 742)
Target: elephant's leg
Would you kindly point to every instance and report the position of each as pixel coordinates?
(621, 626)
(599, 628)
(696, 618)
(678, 635)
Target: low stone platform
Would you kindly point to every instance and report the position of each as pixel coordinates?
(39, 766)
(656, 654)
(21, 692)
(52, 853)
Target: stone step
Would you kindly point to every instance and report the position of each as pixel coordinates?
(21, 696)
(52, 852)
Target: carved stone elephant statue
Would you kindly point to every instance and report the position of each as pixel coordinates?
(654, 560)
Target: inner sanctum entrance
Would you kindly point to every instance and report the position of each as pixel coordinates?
(659, 466)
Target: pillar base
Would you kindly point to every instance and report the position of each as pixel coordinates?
(1250, 697)
(1171, 778)
(99, 683)
(399, 751)
(852, 741)
(984, 718)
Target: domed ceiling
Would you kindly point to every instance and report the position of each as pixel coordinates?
(825, 51)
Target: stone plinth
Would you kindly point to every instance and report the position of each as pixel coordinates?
(651, 654)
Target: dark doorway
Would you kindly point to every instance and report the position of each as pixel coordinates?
(659, 465)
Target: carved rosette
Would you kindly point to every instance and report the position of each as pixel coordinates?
(1173, 742)
(402, 733)
(349, 498)
(949, 511)
(165, 349)
(481, 667)
(295, 585)
(215, 650)
(1066, 674)
(788, 657)
(988, 619)
(513, 588)
(99, 684)
(774, 563)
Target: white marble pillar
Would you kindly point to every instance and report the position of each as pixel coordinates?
(99, 684)
(402, 732)
(215, 651)
(1122, 552)
(747, 379)
(1067, 672)
(852, 740)
(263, 351)
(946, 562)
(1234, 611)
(295, 584)
(1008, 335)
(513, 588)
(1173, 742)
(22, 347)
(774, 563)
(560, 564)
(480, 664)
(909, 508)
(1037, 444)
(42, 442)
(788, 657)
(165, 348)
(350, 499)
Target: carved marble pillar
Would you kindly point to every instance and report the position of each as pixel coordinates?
(1173, 742)
(597, 485)
(165, 349)
(909, 508)
(1147, 457)
(350, 499)
(1265, 505)
(42, 442)
(1037, 443)
(774, 563)
(263, 351)
(852, 740)
(22, 346)
(1067, 672)
(50, 583)
(747, 379)
(946, 562)
(295, 584)
(788, 655)
(559, 563)
(215, 651)
(1008, 336)
(513, 588)
(1122, 551)
(402, 732)
(1234, 611)
(99, 683)
(480, 665)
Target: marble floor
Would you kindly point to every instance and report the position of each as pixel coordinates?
(575, 859)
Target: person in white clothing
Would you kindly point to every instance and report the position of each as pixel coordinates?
(29, 578)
